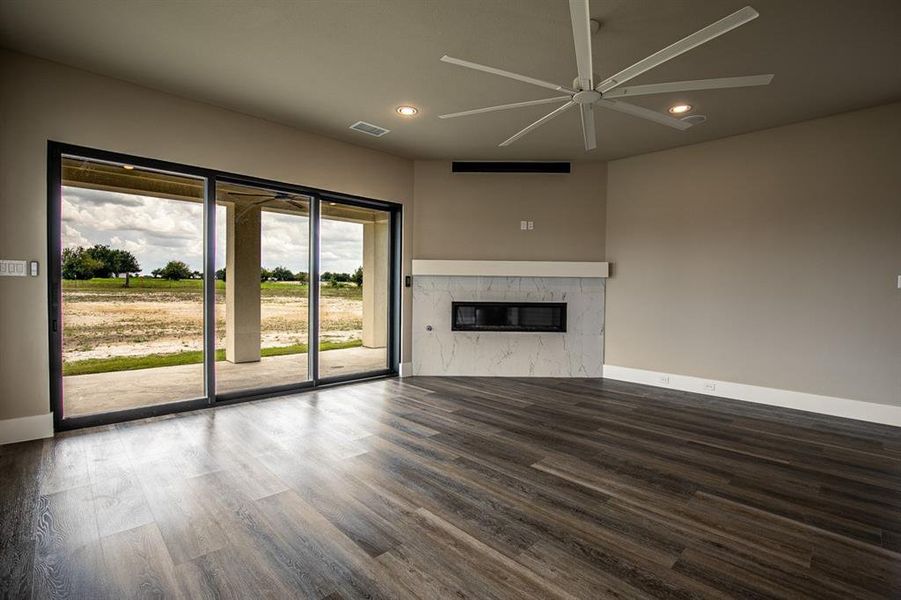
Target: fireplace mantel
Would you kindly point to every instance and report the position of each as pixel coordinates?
(509, 268)
(440, 348)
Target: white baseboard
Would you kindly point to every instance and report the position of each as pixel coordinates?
(405, 369)
(26, 428)
(826, 405)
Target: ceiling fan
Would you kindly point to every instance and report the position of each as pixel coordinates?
(264, 198)
(586, 93)
(267, 196)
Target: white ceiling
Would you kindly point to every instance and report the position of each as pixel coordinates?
(322, 65)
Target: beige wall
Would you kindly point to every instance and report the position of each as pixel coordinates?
(768, 259)
(472, 216)
(40, 100)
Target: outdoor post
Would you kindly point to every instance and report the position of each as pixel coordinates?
(376, 236)
(242, 284)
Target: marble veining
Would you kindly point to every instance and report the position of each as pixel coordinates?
(577, 353)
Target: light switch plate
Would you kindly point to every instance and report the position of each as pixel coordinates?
(13, 268)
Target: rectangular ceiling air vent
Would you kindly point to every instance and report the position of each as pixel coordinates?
(369, 129)
(460, 166)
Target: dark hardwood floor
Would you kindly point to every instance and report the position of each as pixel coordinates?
(459, 488)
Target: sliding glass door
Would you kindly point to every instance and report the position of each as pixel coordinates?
(174, 287)
(262, 288)
(130, 286)
(354, 299)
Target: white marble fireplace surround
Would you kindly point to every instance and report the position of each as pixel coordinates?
(577, 353)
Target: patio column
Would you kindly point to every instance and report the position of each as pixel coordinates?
(242, 284)
(376, 239)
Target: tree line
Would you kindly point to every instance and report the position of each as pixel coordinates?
(338, 278)
(284, 274)
(276, 274)
(103, 261)
(98, 261)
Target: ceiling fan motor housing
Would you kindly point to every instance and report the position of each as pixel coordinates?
(586, 97)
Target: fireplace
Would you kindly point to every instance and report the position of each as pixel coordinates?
(509, 316)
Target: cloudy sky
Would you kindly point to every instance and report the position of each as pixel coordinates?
(157, 230)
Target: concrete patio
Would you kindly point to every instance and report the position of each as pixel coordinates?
(119, 390)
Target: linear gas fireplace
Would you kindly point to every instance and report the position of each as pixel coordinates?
(509, 316)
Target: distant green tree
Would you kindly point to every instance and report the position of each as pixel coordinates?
(301, 276)
(220, 274)
(78, 263)
(281, 274)
(98, 261)
(124, 261)
(265, 274)
(335, 279)
(358, 276)
(106, 258)
(175, 270)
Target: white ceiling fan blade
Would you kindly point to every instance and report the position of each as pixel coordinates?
(589, 135)
(556, 113)
(643, 113)
(581, 19)
(724, 25)
(477, 111)
(686, 86)
(508, 74)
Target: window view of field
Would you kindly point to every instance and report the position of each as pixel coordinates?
(159, 322)
(132, 293)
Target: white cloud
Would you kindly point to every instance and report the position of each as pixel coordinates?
(157, 230)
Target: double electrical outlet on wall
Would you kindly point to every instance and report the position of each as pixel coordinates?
(527, 225)
(709, 386)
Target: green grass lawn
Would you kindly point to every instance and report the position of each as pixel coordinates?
(149, 361)
(138, 285)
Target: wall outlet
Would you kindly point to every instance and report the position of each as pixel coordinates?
(709, 386)
(664, 379)
(531, 225)
(523, 225)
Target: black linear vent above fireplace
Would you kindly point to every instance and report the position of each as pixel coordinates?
(508, 316)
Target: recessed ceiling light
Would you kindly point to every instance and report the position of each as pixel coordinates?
(679, 109)
(407, 111)
(129, 167)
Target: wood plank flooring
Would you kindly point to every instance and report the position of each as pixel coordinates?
(459, 488)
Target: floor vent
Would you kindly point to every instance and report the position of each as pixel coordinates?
(369, 129)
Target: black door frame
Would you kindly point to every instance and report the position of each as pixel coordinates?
(56, 151)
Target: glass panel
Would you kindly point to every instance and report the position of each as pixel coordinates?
(354, 280)
(132, 289)
(509, 316)
(262, 287)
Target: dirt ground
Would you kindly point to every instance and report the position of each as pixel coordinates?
(105, 323)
